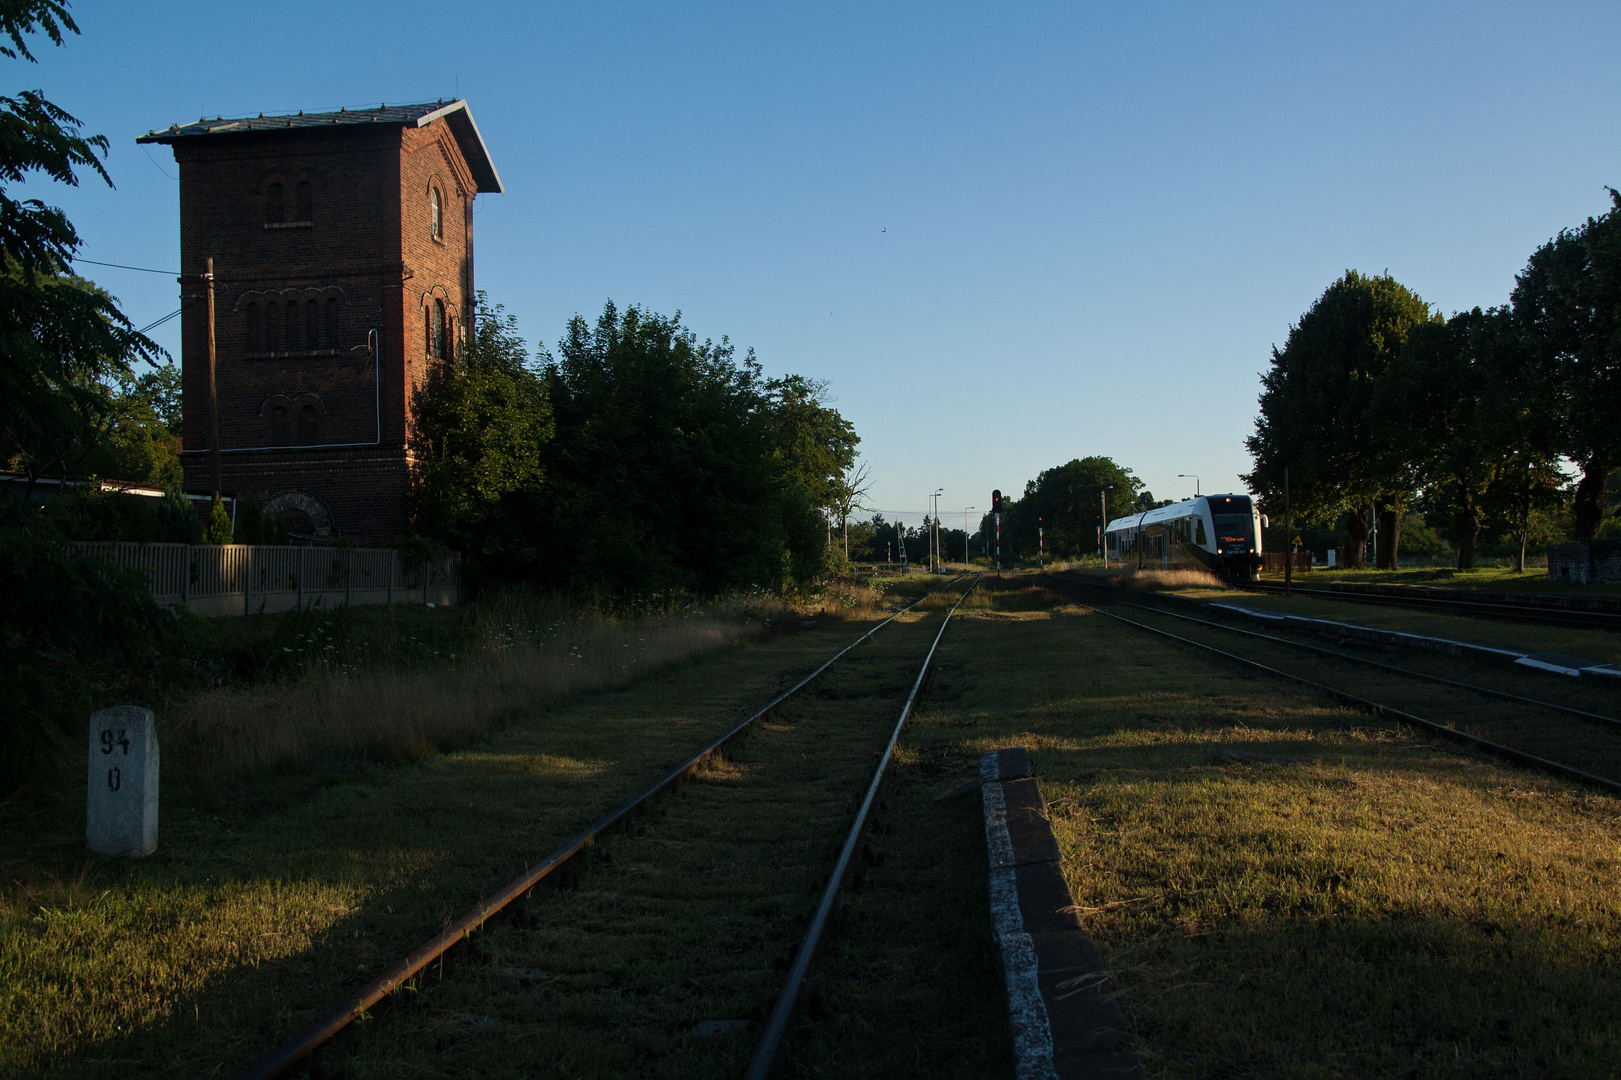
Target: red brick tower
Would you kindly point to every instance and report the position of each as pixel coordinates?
(342, 248)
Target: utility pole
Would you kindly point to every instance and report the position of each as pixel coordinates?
(1041, 546)
(213, 387)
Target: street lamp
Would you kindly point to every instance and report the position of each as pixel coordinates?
(1195, 478)
(966, 561)
(1103, 523)
(934, 528)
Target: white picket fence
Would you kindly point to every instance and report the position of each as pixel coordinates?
(240, 579)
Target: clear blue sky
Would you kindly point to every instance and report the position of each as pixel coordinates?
(1007, 235)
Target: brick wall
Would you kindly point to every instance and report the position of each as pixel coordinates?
(295, 299)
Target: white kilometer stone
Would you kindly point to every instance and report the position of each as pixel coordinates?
(121, 801)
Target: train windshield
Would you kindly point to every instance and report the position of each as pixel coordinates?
(1235, 525)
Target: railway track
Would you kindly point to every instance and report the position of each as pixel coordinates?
(1528, 731)
(1449, 602)
(670, 888)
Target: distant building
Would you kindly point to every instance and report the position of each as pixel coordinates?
(343, 266)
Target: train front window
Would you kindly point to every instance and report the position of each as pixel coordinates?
(1235, 533)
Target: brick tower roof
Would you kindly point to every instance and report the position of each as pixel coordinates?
(456, 114)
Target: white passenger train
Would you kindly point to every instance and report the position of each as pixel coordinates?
(1218, 533)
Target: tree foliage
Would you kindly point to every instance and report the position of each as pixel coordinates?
(1568, 300)
(818, 445)
(636, 462)
(60, 344)
(1064, 502)
(482, 422)
(1317, 417)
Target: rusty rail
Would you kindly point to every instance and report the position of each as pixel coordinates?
(765, 1054)
(285, 1057)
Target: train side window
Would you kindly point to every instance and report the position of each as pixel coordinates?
(1199, 536)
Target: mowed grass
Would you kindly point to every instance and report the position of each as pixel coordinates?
(1387, 906)
(1482, 579)
(1599, 646)
(271, 897)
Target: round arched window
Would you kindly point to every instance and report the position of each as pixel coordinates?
(436, 211)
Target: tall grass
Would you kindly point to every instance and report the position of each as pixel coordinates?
(1152, 580)
(521, 652)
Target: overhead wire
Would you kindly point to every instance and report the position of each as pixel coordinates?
(160, 322)
(121, 266)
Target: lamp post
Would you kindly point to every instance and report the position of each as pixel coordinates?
(1194, 477)
(966, 560)
(934, 528)
(1103, 523)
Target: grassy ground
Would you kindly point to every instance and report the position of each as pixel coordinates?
(667, 957)
(275, 896)
(1388, 906)
(507, 654)
(1596, 645)
(1384, 906)
(1485, 579)
(1600, 646)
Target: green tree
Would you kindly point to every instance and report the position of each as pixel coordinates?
(219, 525)
(1432, 409)
(59, 340)
(1065, 502)
(818, 445)
(669, 471)
(1521, 425)
(1317, 418)
(481, 424)
(1569, 298)
(137, 431)
(58, 344)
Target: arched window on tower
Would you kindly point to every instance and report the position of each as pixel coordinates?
(312, 326)
(427, 332)
(275, 205)
(305, 200)
(309, 424)
(280, 425)
(436, 213)
(251, 330)
(440, 335)
(272, 327)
